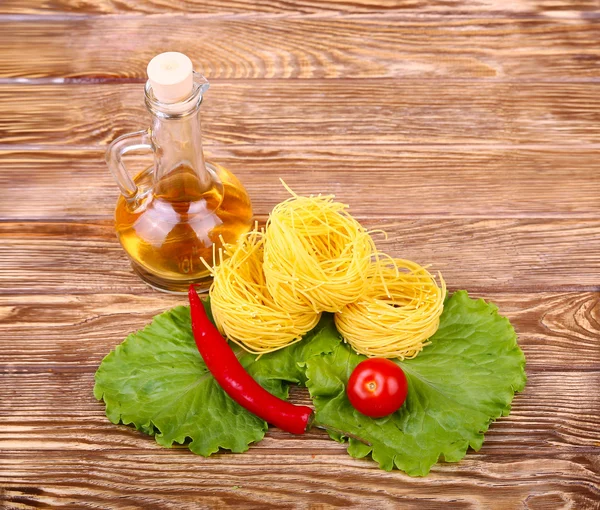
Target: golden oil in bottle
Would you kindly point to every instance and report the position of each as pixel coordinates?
(167, 236)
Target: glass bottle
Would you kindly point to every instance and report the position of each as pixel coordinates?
(182, 209)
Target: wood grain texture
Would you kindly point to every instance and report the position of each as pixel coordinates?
(557, 331)
(416, 8)
(376, 182)
(304, 47)
(466, 129)
(85, 458)
(521, 255)
(309, 112)
(547, 419)
(177, 479)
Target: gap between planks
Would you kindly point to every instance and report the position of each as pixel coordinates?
(448, 18)
(91, 148)
(90, 369)
(436, 9)
(124, 80)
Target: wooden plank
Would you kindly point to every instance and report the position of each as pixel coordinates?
(508, 255)
(310, 112)
(56, 410)
(557, 331)
(416, 8)
(318, 472)
(181, 480)
(377, 182)
(303, 47)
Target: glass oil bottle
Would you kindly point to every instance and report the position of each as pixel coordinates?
(180, 210)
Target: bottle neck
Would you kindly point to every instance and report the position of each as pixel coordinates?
(180, 173)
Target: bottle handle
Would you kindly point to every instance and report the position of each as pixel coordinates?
(114, 159)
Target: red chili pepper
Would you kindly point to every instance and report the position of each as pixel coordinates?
(237, 383)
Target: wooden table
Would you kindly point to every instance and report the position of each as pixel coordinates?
(469, 130)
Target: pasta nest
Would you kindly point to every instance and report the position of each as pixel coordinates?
(244, 310)
(397, 314)
(317, 256)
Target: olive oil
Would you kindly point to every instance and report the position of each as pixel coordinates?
(175, 225)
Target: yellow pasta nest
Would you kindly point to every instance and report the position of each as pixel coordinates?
(313, 257)
(398, 313)
(317, 256)
(243, 308)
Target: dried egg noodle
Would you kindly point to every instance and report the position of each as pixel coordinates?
(397, 315)
(242, 307)
(317, 256)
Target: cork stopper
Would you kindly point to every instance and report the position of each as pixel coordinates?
(171, 76)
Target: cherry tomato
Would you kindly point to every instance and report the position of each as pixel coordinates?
(377, 387)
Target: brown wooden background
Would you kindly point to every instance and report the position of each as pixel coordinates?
(469, 130)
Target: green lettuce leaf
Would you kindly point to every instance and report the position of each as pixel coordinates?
(289, 363)
(458, 385)
(157, 381)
